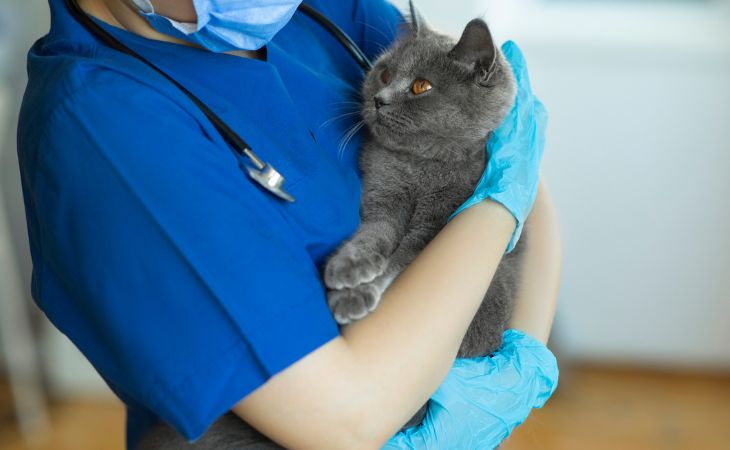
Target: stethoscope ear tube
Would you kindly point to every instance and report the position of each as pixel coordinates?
(338, 34)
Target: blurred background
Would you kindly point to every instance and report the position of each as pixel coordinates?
(638, 162)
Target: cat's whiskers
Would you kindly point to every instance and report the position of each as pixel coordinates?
(338, 117)
(349, 134)
(353, 92)
(352, 104)
(387, 38)
(349, 102)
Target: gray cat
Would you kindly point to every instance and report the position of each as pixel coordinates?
(429, 105)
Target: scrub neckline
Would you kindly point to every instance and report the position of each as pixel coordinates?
(158, 45)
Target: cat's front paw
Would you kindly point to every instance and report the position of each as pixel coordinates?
(348, 305)
(352, 266)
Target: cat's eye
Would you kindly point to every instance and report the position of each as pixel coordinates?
(420, 86)
(385, 76)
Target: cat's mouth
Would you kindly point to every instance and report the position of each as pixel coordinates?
(383, 123)
(379, 115)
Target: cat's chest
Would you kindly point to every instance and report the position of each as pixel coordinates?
(434, 175)
(420, 176)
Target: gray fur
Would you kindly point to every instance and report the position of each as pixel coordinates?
(422, 158)
(227, 433)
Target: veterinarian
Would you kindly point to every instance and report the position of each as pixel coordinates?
(193, 290)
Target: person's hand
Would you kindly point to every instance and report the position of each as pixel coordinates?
(483, 399)
(514, 150)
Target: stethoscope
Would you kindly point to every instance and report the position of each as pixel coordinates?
(263, 173)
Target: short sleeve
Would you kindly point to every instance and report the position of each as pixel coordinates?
(182, 282)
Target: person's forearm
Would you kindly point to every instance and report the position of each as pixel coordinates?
(538, 289)
(357, 390)
(404, 349)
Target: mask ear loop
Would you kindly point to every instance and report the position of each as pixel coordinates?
(487, 74)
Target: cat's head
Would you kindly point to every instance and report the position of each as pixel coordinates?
(429, 89)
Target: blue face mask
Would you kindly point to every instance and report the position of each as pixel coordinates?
(226, 25)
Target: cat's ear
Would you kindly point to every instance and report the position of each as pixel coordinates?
(416, 22)
(476, 50)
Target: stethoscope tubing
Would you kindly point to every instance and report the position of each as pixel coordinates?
(263, 173)
(337, 32)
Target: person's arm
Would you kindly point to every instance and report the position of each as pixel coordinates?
(357, 390)
(533, 314)
(387, 367)
(537, 295)
(415, 365)
(483, 399)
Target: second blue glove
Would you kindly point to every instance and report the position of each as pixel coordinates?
(483, 399)
(515, 150)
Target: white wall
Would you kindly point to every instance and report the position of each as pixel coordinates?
(68, 373)
(638, 161)
(638, 157)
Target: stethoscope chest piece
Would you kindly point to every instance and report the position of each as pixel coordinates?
(271, 180)
(264, 174)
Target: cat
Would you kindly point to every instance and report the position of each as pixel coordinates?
(429, 105)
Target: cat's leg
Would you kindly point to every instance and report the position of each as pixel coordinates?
(351, 272)
(364, 256)
(349, 304)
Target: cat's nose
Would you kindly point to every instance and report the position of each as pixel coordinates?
(379, 101)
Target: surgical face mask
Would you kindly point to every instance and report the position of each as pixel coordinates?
(226, 25)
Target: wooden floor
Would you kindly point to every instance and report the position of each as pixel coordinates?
(78, 425)
(594, 409)
(597, 409)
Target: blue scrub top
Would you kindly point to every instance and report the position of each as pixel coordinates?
(185, 284)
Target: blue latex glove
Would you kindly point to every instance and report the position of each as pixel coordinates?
(483, 399)
(514, 150)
